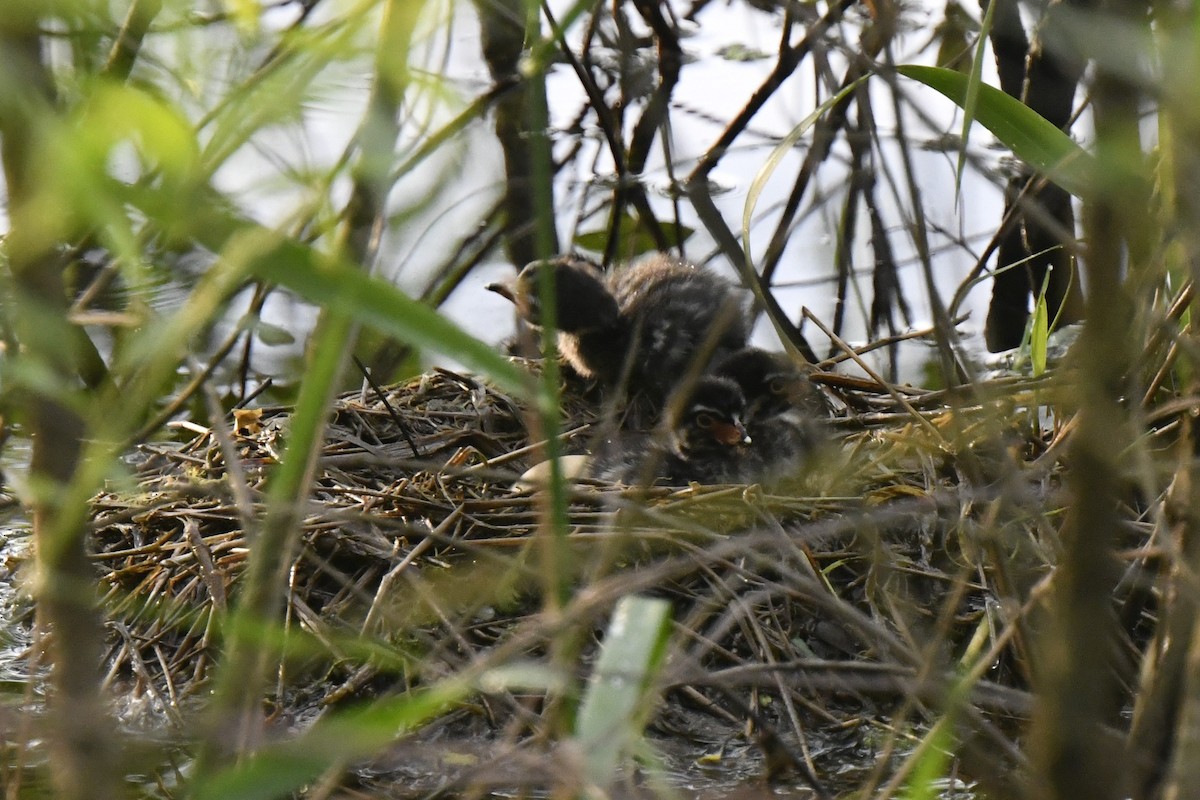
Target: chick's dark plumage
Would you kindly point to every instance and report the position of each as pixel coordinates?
(783, 411)
(681, 318)
(648, 323)
(592, 334)
(702, 438)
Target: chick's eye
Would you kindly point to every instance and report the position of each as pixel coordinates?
(704, 421)
(777, 386)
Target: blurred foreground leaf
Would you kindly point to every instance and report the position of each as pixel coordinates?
(341, 286)
(334, 740)
(615, 705)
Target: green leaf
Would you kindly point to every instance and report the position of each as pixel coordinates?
(523, 676)
(75, 188)
(932, 763)
(741, 53)
(161, 132)
(1030, 136)
(1040, 335)
(272, 335)
(953, 35)
(954, 52)
(614, 705)
(634, 237)
(246, 14)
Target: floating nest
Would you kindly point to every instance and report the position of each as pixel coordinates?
(813, 618)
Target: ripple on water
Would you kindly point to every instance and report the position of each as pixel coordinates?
(15, 606)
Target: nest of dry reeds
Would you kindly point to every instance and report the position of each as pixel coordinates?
(807, 613)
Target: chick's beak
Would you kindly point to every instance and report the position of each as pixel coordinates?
(730, 434)
(503, 289)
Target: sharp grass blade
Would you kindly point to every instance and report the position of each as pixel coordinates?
(772, 163)
(971, 100)
(1031, 137)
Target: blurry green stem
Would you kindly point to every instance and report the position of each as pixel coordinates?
(1078, 671)
(264, 591)
(546, 243)
(81, 741)
(129, 40)
(1164, 748)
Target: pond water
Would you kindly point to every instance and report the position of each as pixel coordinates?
(15, 604)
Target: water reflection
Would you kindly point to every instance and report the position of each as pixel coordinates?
(15, 604)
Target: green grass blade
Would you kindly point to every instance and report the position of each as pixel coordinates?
(1039, 330)
(1040, 336)
(614, 704)
(933, 765)
(1031, 137)
(279, 769)
(380, 305)
(971, 100)
(772, 163)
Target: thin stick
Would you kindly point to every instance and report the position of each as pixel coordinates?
(897, 396)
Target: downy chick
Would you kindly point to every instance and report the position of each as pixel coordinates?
(640, 328)
(702, 438)
(783, 411)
